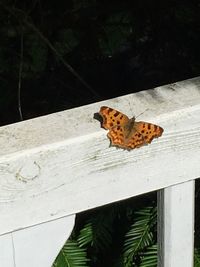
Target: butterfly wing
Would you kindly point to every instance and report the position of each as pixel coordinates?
(125, 132)
(112, 117)
(118, 137)
(148, 131)
(141, 134)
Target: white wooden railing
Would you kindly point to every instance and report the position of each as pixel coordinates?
(55, 166)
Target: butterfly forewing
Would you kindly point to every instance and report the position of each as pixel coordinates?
(112, 117)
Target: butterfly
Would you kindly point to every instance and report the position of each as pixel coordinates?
(127, 133)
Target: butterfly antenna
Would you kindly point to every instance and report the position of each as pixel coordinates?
(141, 113)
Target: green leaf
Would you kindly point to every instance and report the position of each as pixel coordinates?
(97, 232)
(140, 235)
(72, 255)
(150, 257)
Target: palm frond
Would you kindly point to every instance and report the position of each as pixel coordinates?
(149, 257)
(72, 255)
(140, 235)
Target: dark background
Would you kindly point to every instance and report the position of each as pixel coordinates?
(114, 48)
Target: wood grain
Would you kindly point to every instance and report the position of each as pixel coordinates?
(60, 164)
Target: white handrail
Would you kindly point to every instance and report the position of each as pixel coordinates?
(61, 164)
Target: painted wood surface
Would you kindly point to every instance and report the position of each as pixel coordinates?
(35, 246)
(176, 225)
(61, 164)
(6, 251)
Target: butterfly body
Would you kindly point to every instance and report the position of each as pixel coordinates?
(127, 133)
(129, 127)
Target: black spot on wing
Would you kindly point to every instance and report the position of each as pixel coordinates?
(116, 113)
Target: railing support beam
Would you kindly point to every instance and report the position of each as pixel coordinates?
(176, 225)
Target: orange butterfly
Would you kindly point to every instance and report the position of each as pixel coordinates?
(127, 133)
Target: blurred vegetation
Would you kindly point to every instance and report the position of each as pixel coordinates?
(58, 55)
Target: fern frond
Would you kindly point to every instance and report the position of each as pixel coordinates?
(86, 235)
(149, 257)
(140, 236)
(72, 255)
(97, 232)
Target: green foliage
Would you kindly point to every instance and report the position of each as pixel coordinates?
(71, 255)
(97, 232)
(118, 236)
(197, 258)
(115, 236)
(140, 236)
(149, 257)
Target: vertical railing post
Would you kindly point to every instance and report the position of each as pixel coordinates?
(176, 225)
